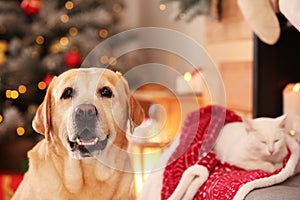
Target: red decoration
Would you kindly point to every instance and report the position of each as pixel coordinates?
(31, 7)
(9, 184)
(72, 59)
(47, 79)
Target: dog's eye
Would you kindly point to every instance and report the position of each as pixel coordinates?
(106, 92)
(68, 93)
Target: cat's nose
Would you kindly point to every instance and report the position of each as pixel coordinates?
(271, 152)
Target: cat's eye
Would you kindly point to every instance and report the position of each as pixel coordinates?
(264, 142)
(276, 140)
(68, 93)
(106, 92)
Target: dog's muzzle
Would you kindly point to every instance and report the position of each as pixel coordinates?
(86, 140)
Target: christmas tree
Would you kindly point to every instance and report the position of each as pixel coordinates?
(40, 39)
(189, 9)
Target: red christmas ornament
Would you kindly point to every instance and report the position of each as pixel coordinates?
(31, 7)
(72, 59)
(47, 79)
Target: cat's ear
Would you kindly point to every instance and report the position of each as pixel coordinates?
(248, 124)
(282, 120)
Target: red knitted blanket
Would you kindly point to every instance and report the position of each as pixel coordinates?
(200, 130)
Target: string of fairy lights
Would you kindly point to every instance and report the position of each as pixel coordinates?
(57, 46)
(163, 7)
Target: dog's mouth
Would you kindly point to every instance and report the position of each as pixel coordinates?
(87, 146)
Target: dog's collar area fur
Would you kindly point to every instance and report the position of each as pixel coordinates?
(87, 147)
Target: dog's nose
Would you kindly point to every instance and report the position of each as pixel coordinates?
(85, 112)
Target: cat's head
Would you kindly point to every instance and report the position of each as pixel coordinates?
(266, 135)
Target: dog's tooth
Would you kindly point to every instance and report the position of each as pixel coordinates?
(78, 141)
(96, 140)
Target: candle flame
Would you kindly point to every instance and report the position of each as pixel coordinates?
(296, 87)
(292, 133)
(187, 76)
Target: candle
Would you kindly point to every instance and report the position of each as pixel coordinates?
(291, 106)
(182, 84)
(190, 82)
(197, 81)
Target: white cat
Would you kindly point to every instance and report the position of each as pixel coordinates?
(253, 144)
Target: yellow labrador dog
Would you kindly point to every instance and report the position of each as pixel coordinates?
(84, 117)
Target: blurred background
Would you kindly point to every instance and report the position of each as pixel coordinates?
(42, 38)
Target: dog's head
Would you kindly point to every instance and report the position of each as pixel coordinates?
(86, 111)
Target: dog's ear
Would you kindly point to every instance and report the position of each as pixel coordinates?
(135, 110)
(41, 121)
(136, 113)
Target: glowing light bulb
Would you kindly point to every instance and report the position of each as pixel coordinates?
(117, 8)
(103, 33)
(3, 45)
(64, 18)
(162, 7)
(22, 89)
(104, 59)
(73, 31)
(69, 5)
(181, 16)
(8, 94)
(1, 118)
(64, 41)
(42, 85)
(40, 40)
(20, 131)
(14, 94)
